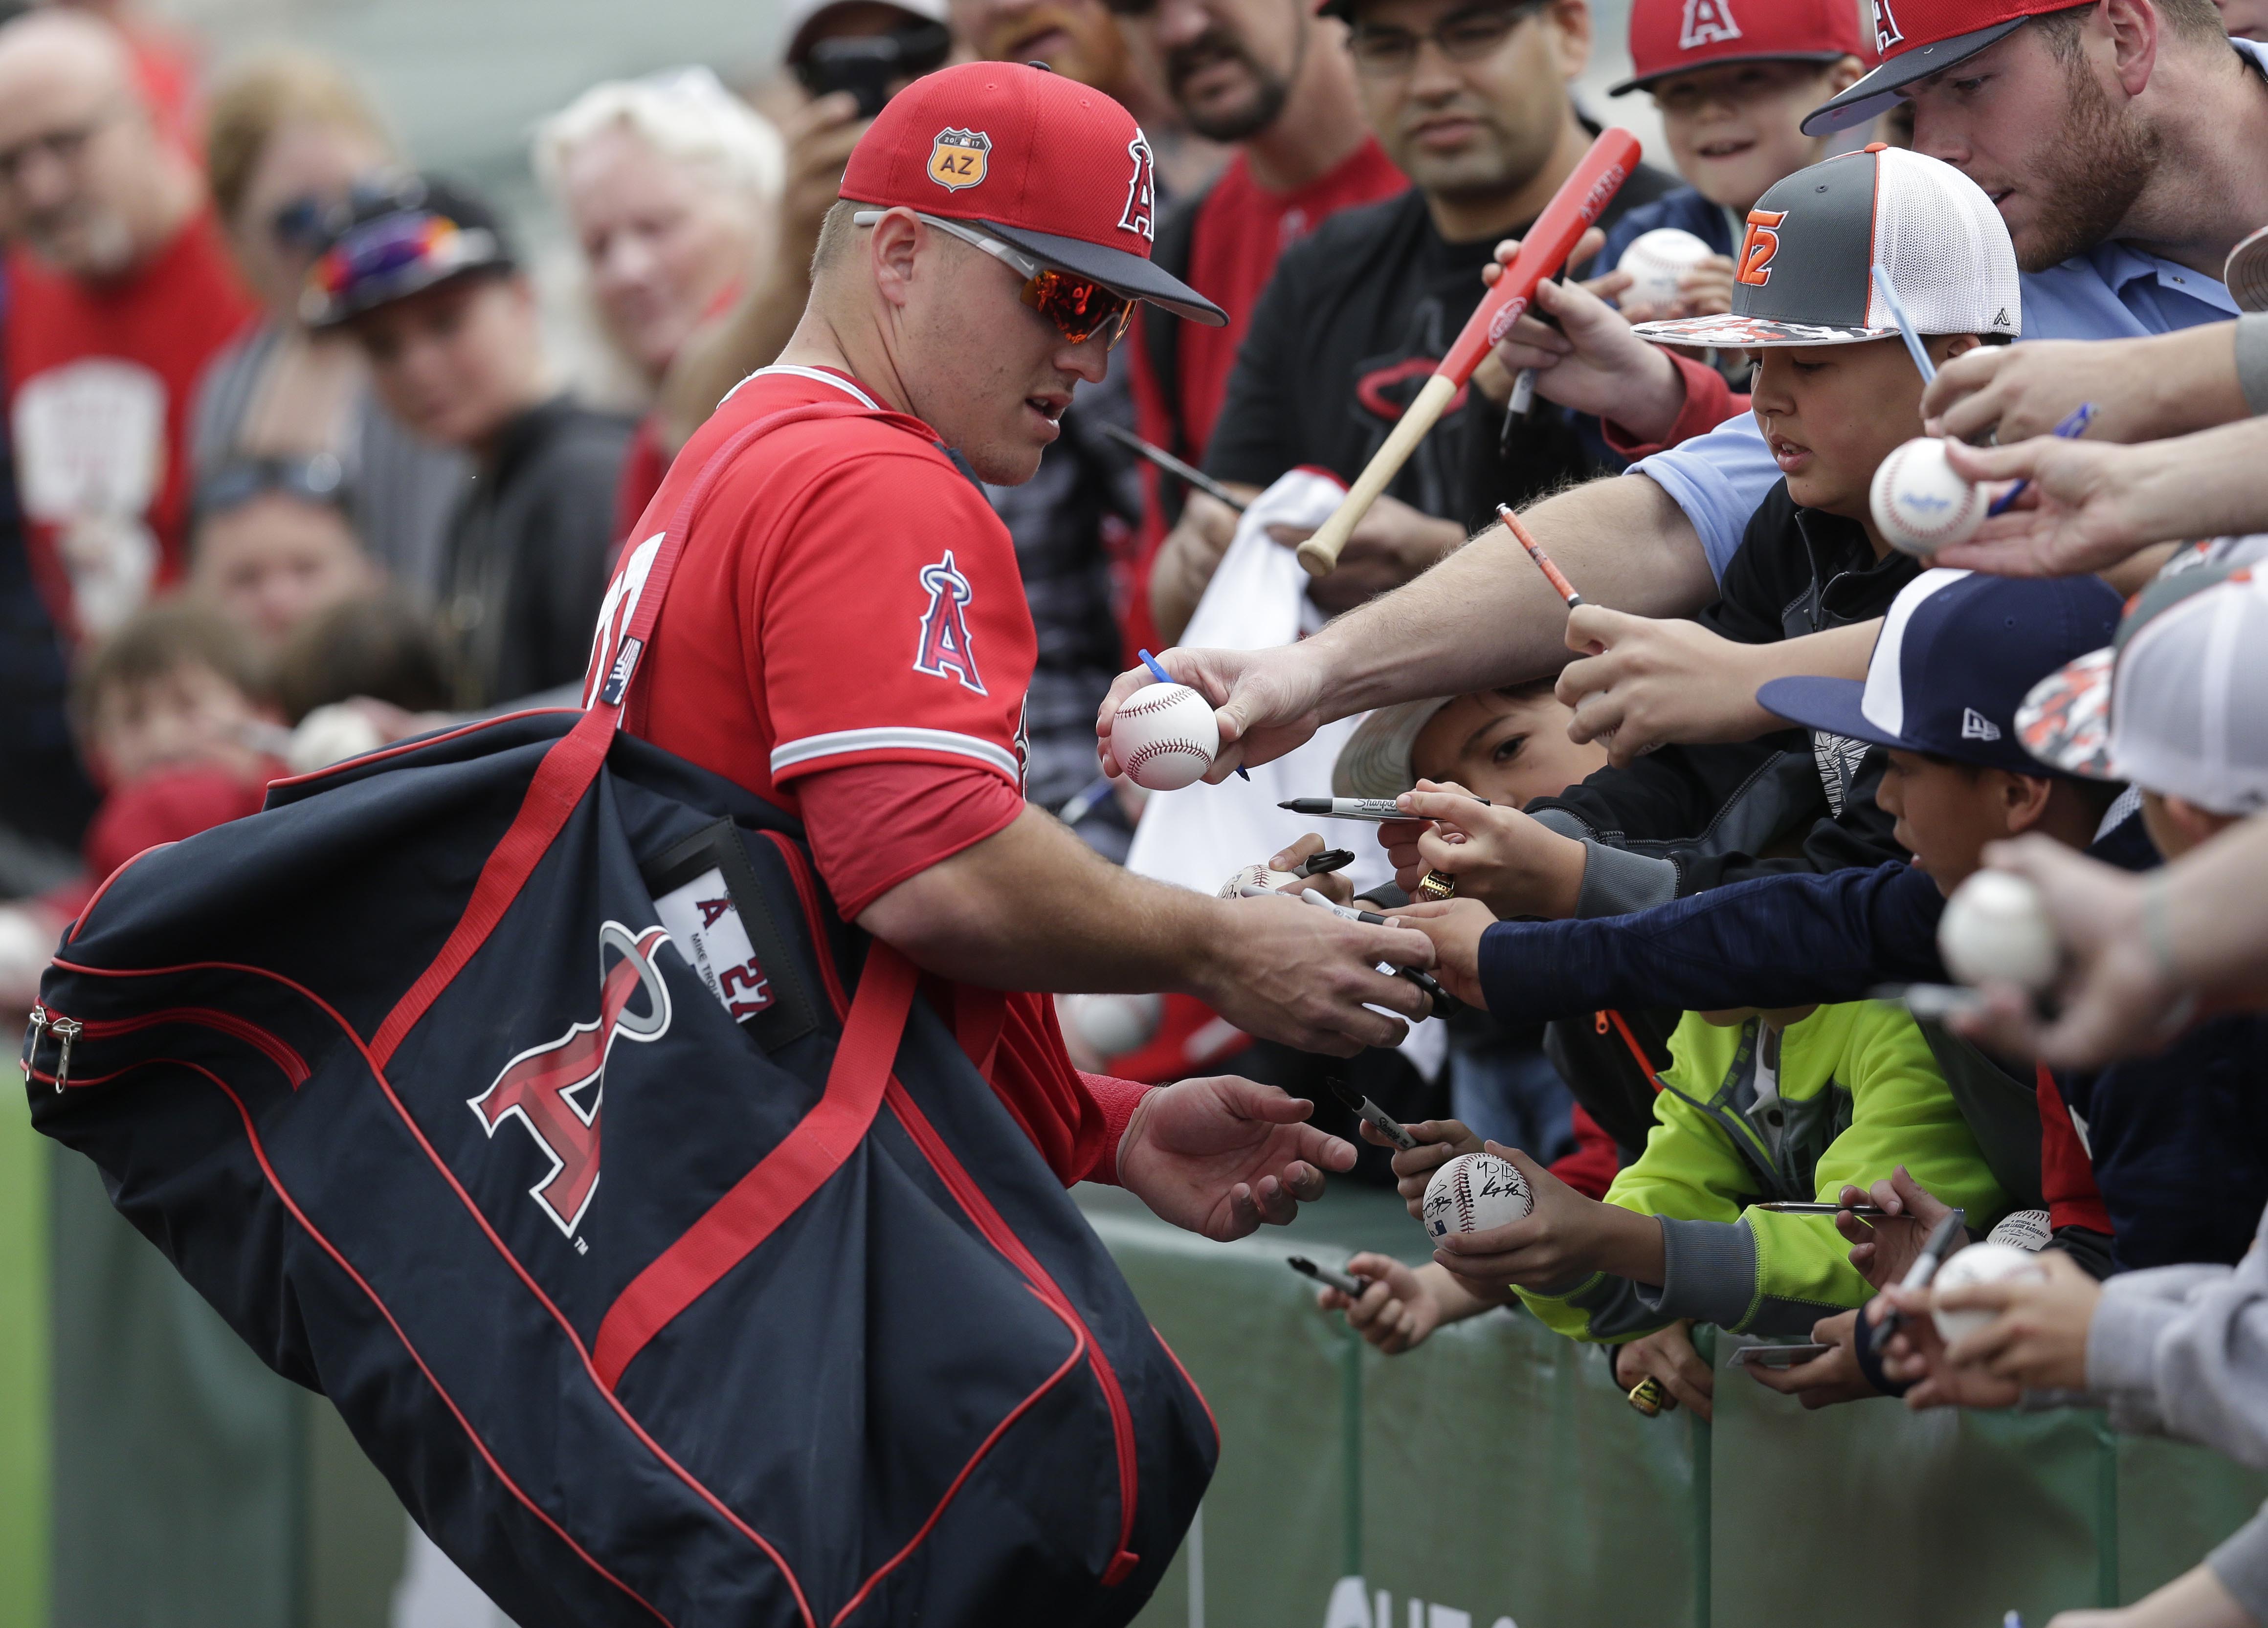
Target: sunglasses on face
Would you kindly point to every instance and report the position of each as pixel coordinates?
(1079, 307)
(1464, 36)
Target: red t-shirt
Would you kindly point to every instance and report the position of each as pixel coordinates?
(1240, 230)
(847, 637)
(101, 377)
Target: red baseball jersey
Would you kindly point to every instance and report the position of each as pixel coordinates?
(848, 618)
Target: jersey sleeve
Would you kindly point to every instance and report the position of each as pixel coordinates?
(892, 623)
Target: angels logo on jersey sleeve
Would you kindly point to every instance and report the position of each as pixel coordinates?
(945, 650)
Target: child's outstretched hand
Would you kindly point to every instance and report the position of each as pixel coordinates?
(1438, 1141)
(1455, 927)
(1404, 1304)
(1498, 856)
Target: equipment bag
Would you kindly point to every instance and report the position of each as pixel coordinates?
(821, 1339)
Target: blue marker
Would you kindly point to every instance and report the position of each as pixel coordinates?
(2013, 1619)
(1906, 328)
(1163, 676)
(2070, 429)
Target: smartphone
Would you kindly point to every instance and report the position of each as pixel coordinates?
(866, 65)
(1777, 1356)
(1864, 1212)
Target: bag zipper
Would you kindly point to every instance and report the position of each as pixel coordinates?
(68, 1031)
(995, 1230)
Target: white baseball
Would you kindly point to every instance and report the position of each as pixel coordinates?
(1979, 1262)
(1257, 876)
(1656, 259)
(2024, 1229)
(1476, 1193)
(331, 734)
(1115, 1024)
(1165, 736)
(1995, 930)
(1919, 504)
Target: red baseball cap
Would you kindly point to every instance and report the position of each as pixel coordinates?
(1672, 36)
(1917, 38)
(1051, 166)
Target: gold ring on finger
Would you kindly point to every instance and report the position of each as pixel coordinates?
(1437, 886)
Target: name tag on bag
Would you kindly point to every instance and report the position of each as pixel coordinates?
(709, 898)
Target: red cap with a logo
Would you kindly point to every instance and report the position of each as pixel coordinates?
(1040, 161)
(1917, 38)
(1674, 36)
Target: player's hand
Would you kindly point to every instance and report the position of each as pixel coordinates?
(1640, 682)
(2114, 999)
(1219, 1157)
(2089, 508)
(2013, 393)
(1667, 1354)
(1592, 362)
(1397, 1311)
(1456, 926)
(2039, 1338)
(1883, 1250)
(1511, 863)
(1289, 972)
(1825, 1380)
(1332, 885)
(1438, 1141)
(1915, 1355)
(1266, 702)
(1564, 1238)
(1391, 544)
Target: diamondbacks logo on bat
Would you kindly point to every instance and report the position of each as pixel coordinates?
(1886, 28)
(555, 1089)
(946, 651)
(1707, 22)
(1141, 211)
(1759, 245)
(958, 158)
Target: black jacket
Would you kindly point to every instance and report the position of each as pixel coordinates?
(1689, 818)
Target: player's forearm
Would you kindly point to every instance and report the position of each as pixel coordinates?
(721, 355)
(1485, 616)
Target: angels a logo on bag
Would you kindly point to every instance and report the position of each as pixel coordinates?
(944, 651)
(556, 1089)
(1707, 22)
(1140, 214)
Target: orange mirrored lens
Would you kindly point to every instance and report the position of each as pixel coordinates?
(1078, 307)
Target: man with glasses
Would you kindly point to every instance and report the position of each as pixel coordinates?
(120, 290)
(1469, 98)
(846, 636)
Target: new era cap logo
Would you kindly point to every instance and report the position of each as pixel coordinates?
(1707, 22)
(1886, 28)
(1976, 726)
(957, 158)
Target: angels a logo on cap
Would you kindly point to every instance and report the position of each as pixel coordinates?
(1141, 211)
(1707, 22)
(1886, 28)
(958, 158)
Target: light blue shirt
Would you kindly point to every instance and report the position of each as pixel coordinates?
(2112, 292)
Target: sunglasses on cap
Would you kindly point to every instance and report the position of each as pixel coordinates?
(320, 480)
(1079, 307)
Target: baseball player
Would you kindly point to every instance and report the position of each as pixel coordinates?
(847, 637)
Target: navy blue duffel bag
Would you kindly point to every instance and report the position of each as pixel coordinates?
(820, 1340)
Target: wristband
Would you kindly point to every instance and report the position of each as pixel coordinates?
(1870, 1358)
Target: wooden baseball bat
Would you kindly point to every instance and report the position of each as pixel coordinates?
(1573, 209)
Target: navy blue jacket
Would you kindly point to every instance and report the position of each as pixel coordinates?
(2179, 1141)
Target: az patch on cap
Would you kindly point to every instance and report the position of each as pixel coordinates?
(957, 158)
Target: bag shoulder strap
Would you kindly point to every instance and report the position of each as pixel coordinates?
(571, 765)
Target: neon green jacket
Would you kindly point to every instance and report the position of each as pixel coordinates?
(1747, 1115)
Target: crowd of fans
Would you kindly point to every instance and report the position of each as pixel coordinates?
(293, 475)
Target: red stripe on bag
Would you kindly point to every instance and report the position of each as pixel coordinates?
(783, 1179)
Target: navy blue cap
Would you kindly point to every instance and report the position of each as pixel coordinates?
(1956, 656)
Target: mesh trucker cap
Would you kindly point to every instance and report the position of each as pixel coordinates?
(1804, 273)
(1917, 38)
(1058, 168)
(1675, 36)
(1956, 656)
(2174, 703)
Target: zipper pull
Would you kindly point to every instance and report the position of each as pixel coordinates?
(34, 1026)
(67, 1030)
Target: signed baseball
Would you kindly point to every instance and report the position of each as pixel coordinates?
(1164, 736)
(1995, 930)
(1919, 504)
(2024, 1229)
(1257, 876)
(1979, 1262)
(1476, 1193)
(1656, 259)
